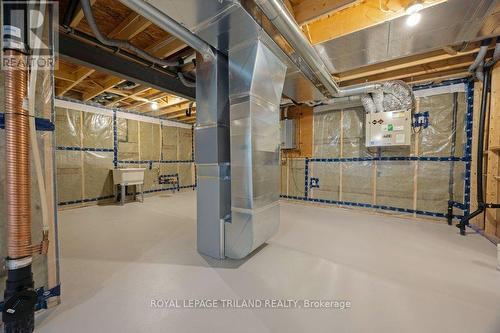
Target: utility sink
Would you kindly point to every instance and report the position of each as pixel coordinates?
(128, 176)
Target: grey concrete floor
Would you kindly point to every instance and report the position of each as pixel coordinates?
(400, 275)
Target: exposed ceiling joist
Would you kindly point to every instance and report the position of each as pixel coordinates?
(439, 76)
(437, 66)
(80, 75)
(131, 94)
(130, 27)
(79, 15)
(109, 83)
(401, 63)
(360, 16)
(310, 10)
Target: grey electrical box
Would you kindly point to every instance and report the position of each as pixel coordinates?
(385, 129)
(288, 134)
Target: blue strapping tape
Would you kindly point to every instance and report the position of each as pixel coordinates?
(42, 297)
(41, 124)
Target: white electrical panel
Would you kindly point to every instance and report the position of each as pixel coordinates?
(288, 134)
(385, 129)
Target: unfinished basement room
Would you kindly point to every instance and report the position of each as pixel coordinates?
(250, 166)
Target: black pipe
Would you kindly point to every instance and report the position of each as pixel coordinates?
(452, 153)
(70, 13)
(481, 206)
(20, 300)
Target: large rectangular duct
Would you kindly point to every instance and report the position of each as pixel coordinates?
(237, 132)
(256, 83)
(212, 154)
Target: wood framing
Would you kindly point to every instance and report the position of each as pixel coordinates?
(303, 116)
(492, 181)
(362, 15)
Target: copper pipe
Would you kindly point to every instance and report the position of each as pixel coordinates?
(17, 147)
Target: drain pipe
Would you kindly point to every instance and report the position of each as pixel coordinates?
(477, 67)
(20, 298)
(277, 13)
(170, 25)
(120, 44)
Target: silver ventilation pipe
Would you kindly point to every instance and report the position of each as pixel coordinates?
(121, 44)
(170, 25)
(277, 13)
(185, 81)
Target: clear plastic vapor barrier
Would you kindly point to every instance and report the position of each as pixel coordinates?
(86, 154)
(420, 178)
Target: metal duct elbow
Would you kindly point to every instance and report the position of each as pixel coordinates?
(185, 81)
(368, 104)
(121, 44)
(171, 26)
(277, 13)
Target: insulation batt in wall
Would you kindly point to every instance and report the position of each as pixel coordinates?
(420, 178)
(86, 138)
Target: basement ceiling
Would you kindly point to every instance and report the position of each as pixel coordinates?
(449, 23)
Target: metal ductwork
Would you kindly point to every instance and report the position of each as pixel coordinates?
(171, 26)
(239, 82)
(257, 77)
(277, 13)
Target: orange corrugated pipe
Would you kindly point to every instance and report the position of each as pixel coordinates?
(17, 147)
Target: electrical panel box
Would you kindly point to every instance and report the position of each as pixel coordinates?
(288, 134)
(385, 129)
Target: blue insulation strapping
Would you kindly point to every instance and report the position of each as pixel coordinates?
(306, 178)
(72, 202)
(41, 124)
(102, 150)
(466, 158)
(42, 297)
(468, 144)
(115, 140)
(154, 161)
(366, 205)
(389, 158)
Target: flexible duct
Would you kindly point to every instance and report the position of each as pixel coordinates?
(277, 13)
(168, 24)
(17, 146)
(368, 103)
(121, 44)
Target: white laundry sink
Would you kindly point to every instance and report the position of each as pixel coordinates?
(128, 176)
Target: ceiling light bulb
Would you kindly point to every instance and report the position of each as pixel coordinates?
(414, 7)
(413, 19)
(154, 105)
